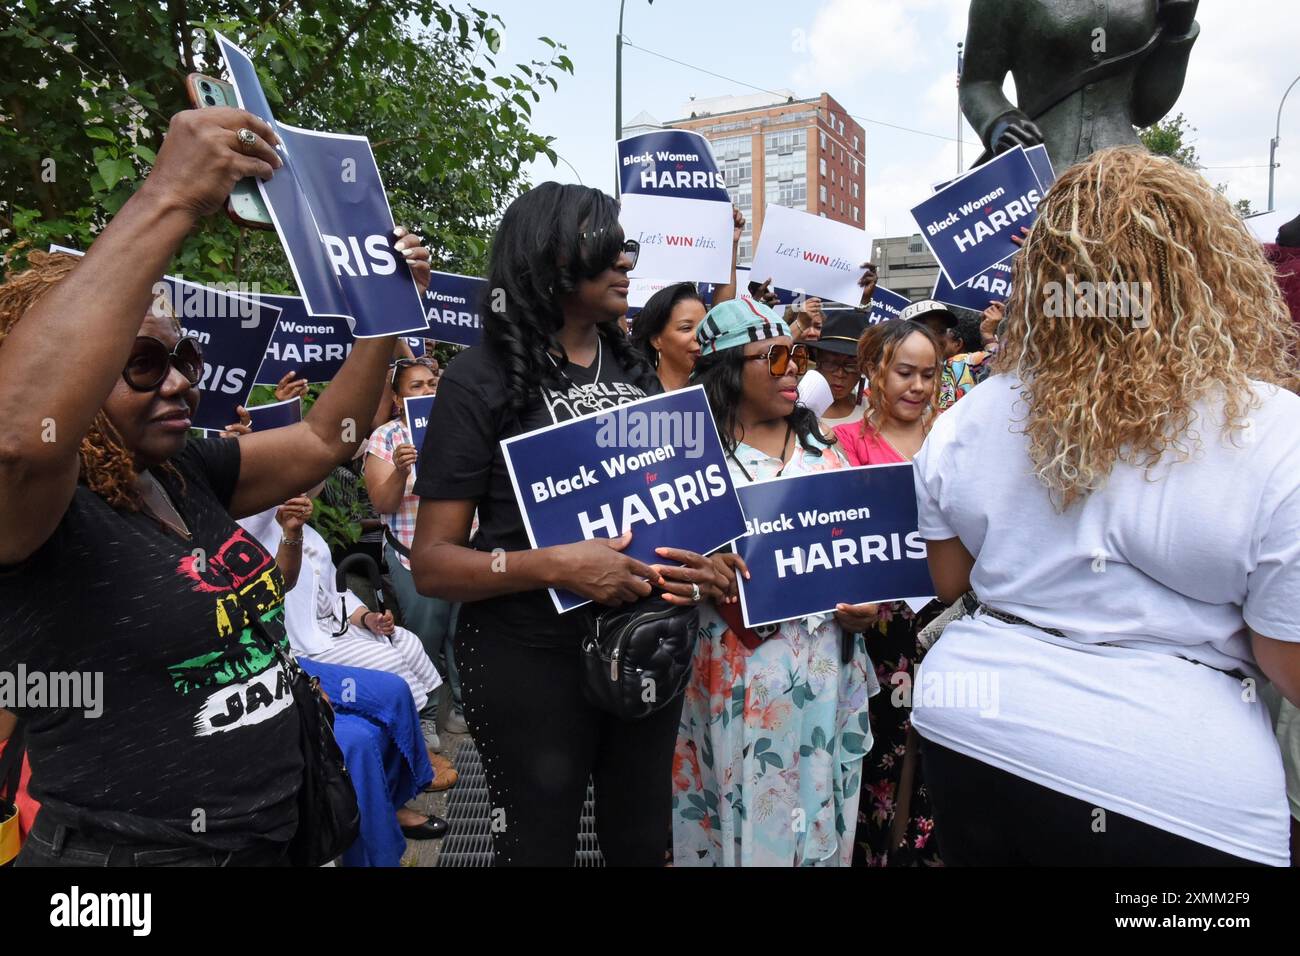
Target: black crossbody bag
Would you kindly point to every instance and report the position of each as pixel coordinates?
(329, 820)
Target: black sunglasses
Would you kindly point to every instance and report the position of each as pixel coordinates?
(151, 361)
(630, 248)
(779, 358)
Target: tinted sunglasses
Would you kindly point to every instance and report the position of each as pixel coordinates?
(630, 248)
(407, 363)
(151, 361)
(779, 358)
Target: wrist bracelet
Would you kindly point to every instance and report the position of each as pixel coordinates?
(291, 541)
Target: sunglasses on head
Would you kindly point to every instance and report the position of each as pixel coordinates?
(407, 363)
(151, 361)
(630, 248)
(779, 358)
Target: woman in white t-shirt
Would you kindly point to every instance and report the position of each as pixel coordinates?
(1123, 495)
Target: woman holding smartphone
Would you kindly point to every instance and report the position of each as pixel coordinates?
(190, 755)
(552, 351)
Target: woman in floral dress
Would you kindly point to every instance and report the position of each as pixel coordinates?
(774, 725)
(895, 828)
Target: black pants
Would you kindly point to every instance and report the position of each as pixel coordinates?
(984, 816)
(541, 742)
(53, 844)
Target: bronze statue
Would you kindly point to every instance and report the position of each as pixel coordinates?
(1087, 71)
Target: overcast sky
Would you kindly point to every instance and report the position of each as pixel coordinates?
(888, 60)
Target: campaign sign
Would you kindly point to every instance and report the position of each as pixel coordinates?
(416, 345)
(885, 305)
(453, 305)
(835, 537)
(968, 225)
(991, 286)
(675, 203)
(310, 347)
(332, 215)
(1042, 164)
(233, 347)
(417, 418)
(276, 414)
(654, 467)
(811, 254)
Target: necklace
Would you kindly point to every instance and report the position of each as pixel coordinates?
(158, 504)
(600, 355)
(885, 439)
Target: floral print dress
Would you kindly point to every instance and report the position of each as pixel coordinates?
(768, 759)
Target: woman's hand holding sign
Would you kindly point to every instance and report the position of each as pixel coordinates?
(596, 570)
(416, 255)
(697, 579)
(404, 458)
(856, 618)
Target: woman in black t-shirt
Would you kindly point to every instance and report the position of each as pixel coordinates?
(123, 575)
(552, 351)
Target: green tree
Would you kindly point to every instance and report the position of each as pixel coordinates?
(1171, 137)
(89, 85)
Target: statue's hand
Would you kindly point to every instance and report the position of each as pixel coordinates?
(1014, 129)
(1178, 15)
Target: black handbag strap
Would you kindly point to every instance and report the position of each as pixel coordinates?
(11, 764)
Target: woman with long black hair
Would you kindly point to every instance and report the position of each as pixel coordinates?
(552, 351)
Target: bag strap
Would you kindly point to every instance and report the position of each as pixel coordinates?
(11, 764)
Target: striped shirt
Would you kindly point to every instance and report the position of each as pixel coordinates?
(383, 444)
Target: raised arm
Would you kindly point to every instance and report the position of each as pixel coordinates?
(91, 318)
(725, 293)
(279, 464)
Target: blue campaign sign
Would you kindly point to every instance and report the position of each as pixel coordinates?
(834, 537)
(416, 346)
(233, 332)
(332, 215)
(968, 224)
(885, 305)
(671, 162)
(991, 286)
(1042, 164)
(417, 417)
(654, 467)
(276, 414)
(453, 305)
(312, 348)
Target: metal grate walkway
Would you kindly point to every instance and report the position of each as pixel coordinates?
(469, 840)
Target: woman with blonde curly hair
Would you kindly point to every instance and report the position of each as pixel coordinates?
(120, 560)
(1121, 498)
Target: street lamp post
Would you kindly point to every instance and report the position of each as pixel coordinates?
(1277, 139)
(618, 89)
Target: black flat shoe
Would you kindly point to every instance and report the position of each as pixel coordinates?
(435, 828)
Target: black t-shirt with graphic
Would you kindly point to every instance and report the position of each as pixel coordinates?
(462, 460)
(197, 742)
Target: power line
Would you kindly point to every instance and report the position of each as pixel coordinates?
(732, 79)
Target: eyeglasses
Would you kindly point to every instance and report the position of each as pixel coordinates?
(630, 248)
(779, 358)
(407, 363)
(151, 361)
(839, 366)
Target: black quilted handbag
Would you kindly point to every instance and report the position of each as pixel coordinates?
(637, 659)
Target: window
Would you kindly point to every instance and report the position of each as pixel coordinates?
(823, 165)
(823, 134)
(855, 144)
(855, 213)
(823, 195)
(855, 190)
(855, 167)
(917, 244)
(841, 127)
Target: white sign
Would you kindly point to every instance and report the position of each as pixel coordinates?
(811, 254)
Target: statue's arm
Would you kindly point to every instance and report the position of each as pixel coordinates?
(990, 42)
(1159, 82)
